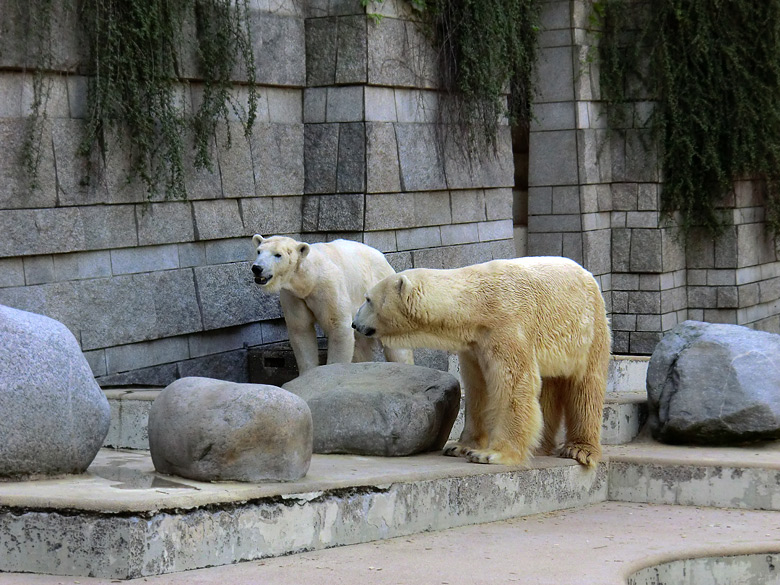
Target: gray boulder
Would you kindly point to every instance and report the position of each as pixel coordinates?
(212, 430)
(711, 384)
(54, 415)
(378, 408)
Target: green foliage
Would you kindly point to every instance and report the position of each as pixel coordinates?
(713, 69)
(138, 90)
(486, 48)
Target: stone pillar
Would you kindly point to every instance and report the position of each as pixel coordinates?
(374, 162)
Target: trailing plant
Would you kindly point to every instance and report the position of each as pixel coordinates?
(486, 48)
(138, 89)
(38, 17)
(712, 67)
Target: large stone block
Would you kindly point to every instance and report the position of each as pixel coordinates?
(228, 296)
(16, 192)
(333, 213)
(406, 210)
(162, 223)
(399, 54)
(351, 47)
(420, 156)
(55, 416)
(271, 215)
(351, 174)
(212, 430)
(553, 158)
(217, 219)
(383, 409)
(383, 173)
(321, 43)
(279, 46)
(278, 157)
(321, 152)
(714, 384)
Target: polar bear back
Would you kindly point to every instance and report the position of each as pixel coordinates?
(359, 266)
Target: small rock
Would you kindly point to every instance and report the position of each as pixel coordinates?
(212, 430)
(371, 408)
(54, 414)
(712, 384)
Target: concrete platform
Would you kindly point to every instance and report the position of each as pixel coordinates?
(601, 544)
(122, 520)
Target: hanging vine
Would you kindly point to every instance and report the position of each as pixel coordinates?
(486, 49)
(137, 85)
(712, 67)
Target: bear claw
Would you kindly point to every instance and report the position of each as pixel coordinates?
(581, 453)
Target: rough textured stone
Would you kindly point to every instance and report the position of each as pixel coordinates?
(55, 416)
(212, 430)
(714, 384)
(379, 408)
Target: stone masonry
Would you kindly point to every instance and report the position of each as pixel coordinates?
(344, 147)
(594, 196)
(348, 144)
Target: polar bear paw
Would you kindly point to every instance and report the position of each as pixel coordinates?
(582, 453)
(455, 449)
(492, 456)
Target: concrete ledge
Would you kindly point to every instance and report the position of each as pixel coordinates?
(736, 477)
(122, 520)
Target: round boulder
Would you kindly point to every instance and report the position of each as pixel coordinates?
(379, 408)
(213, 430)
(713, 384)
(54, 414)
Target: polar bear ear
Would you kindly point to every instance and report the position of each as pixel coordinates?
(404, 287)
(303, 250)
(257, 239)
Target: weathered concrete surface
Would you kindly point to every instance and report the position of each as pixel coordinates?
(602, 544)
(726, 477)
(135, 522)
(624, 414)
(129, 428)
(746, 568)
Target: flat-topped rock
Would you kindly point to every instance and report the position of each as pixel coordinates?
(54, 414)
(213, 430)
(379, 408)
(712, 384)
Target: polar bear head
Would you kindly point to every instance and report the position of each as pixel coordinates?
(278, 257)
(386, 310)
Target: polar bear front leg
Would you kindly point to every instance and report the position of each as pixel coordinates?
(300, 329)
(341, 343)
(474, 434)
(512, 412)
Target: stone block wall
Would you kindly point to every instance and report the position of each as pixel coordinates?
(344, 146)
(594, 195)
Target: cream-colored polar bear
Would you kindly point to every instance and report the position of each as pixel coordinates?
(533, 341)
(323, 283)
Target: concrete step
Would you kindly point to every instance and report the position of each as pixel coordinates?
(624, 410)
(122, 520)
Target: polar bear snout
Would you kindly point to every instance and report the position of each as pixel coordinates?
(260, 278)
(367, 331)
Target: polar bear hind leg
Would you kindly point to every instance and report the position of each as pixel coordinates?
(551, 402)
(583, 403)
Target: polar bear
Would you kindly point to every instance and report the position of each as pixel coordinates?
(533, 341)
(323, 283)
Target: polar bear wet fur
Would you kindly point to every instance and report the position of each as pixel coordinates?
(323, 283)
(533, 343)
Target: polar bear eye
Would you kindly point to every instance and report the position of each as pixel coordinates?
(368, 300)
(278, 255)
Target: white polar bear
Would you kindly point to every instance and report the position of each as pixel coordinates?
(533, 341)
(323, 283)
